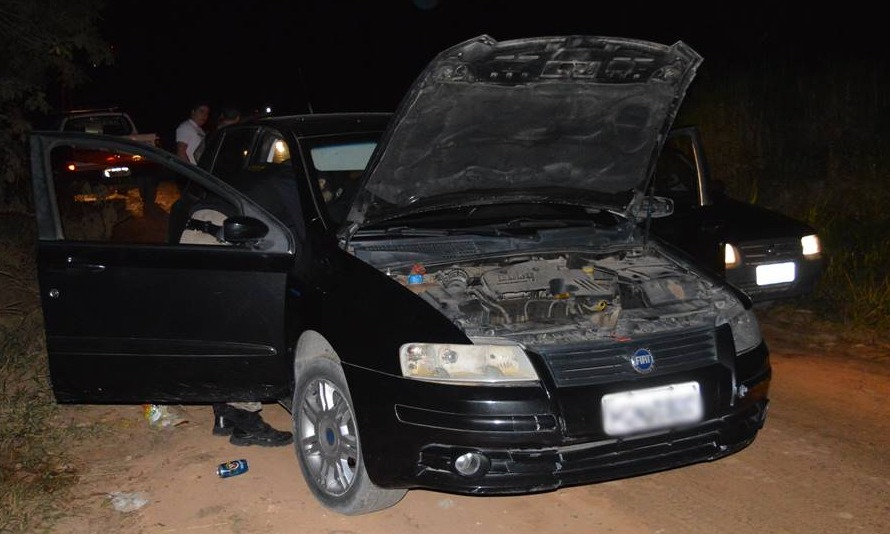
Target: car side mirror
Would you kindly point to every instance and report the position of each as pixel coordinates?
(241, 229)
(654, 207)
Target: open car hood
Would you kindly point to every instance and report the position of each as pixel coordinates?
(553, 119)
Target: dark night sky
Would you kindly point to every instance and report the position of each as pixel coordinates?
(363, 54)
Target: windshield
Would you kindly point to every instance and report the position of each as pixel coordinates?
(100, 124)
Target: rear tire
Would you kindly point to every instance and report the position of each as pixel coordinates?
(327, 443)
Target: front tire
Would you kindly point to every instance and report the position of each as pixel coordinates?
(327, 443)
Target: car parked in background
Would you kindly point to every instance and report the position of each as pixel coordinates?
(103, 121)
(466, 303)
(765, 253)
(100, 175)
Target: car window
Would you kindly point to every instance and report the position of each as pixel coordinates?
(676, 177)
(114, 196)
(259, 166)
(345, 156)
(99, 124)
(231, 155)
(271, 148)
(336, 165)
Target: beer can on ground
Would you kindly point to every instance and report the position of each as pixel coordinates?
(232, 468)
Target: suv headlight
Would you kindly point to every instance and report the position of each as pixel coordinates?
(731, 256)
(490, 362)
(744, 326)
(810, 246)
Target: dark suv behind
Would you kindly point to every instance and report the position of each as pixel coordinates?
(765, 253)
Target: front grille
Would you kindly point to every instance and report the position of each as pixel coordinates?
(751, 288)
(770, 251)
(610, 362)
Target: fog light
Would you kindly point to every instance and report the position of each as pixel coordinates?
(471, 464)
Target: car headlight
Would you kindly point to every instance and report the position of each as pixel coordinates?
(743, 323)
(811, 246)
(489, 362)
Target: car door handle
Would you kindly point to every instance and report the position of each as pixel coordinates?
(75, 267)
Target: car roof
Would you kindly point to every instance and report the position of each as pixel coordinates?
(323, 123)
(54, 121)
(93, 111)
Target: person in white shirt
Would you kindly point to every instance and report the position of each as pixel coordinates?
(190, 133)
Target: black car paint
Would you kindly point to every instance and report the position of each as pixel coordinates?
(121, 320)
(537, 440)
(539, 444)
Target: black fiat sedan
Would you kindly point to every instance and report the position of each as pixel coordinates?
(470, 305)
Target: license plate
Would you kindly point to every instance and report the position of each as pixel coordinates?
(776, 273)
(629, 412)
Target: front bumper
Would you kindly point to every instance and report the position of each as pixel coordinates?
(412, 433)
(530, 470)
(807, 275)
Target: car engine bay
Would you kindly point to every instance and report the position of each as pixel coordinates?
(540, 299)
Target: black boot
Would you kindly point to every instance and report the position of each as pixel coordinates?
(248, 428)
(222, 422)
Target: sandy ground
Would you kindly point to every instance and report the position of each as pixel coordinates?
(819, 466)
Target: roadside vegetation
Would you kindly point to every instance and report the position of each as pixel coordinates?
(45, 46)
(34, 469)
(810, 141)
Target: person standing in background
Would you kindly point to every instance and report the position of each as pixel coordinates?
(228, 115)
(190, 133)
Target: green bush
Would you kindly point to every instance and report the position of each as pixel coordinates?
(43, 46)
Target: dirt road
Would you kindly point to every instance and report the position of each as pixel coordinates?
(819, 466)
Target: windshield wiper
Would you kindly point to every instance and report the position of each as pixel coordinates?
(404, 230)
(542, 224)
(411, 231)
